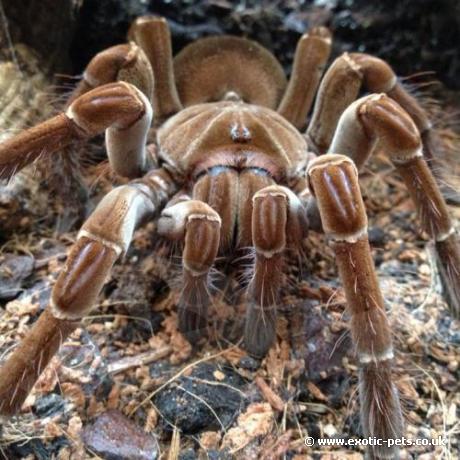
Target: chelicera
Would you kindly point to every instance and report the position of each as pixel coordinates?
(231, 159)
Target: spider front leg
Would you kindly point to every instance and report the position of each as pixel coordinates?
(334, 183)
(119, 109)
(103, 238)
(278, 220)
(379, 118)
(198, 225)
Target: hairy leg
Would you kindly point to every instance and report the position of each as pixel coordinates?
(340, 87)
(153, 36)
(312, 53)
(377, 118)
(119, 109)
(334, 182)
(278, 219)
(198, 226)
(103, 238)
(126, 63)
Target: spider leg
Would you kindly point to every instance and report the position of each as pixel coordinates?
(341, 85)
(103, 238)
(334, 182)
(198, 225)
(126, 62)
(119, 109)
(278, 219)
(153, 36)
(312, 53)
(378, 118)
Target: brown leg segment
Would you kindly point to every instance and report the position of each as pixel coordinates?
(119, 63)
(275, 210)
(198, 225)
(220, 192)
(379, 118)
(341, 86)
(334, 182)
(310, 59)
(104, 236)
(120, 109)
(153, 36)
(30, 358)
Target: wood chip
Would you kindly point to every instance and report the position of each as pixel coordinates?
(258, 420)
(270, 396)
(316, 392)
(139, 360)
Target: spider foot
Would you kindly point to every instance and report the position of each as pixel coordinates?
(260, 330)
(193, 307)
(274, 210)
(380, 408)
(448, 262)
(198, 225)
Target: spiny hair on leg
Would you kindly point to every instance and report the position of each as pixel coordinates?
(245, 265)
(381, 415)
(193, 307)
(260, 328)
(446, 258)
(422, 86)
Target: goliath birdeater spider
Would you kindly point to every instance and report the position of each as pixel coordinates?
(231, 163)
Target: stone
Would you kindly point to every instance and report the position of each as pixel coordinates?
(113, 436)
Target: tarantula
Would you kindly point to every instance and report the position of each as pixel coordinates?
(230, 165)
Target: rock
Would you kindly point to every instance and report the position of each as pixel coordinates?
(188, 454)
(193, 405)
(115, 437)
(377, 236)
(49, 405)
(249, 363)
(217, 455)
(35, 448)
(14, 270)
